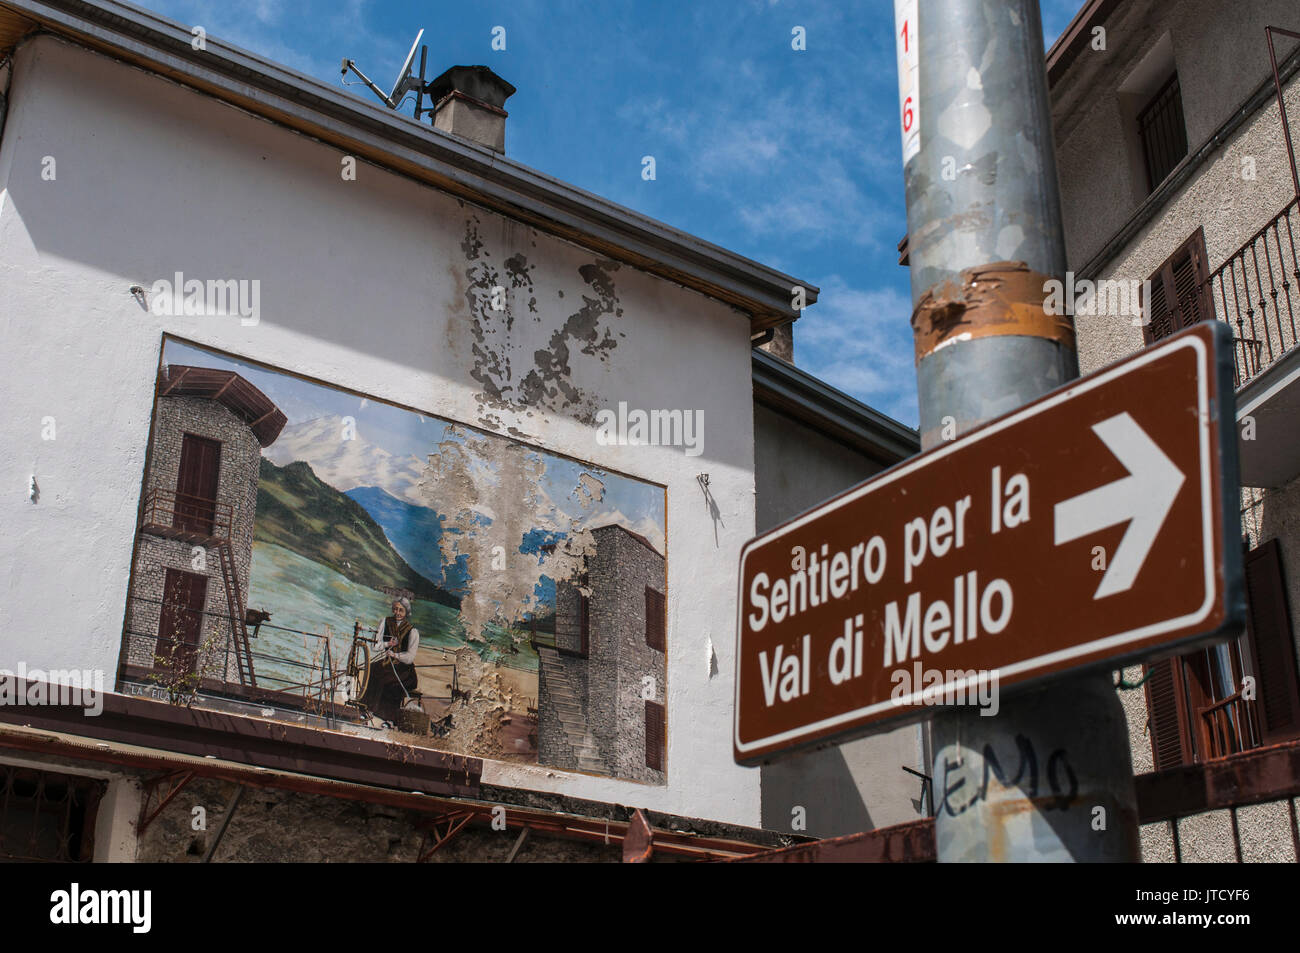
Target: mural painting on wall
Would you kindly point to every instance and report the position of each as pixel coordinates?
(312, 555)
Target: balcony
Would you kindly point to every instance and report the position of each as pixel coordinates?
(1257, 292)
(188, 518)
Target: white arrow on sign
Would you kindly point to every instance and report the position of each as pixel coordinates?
(1143, 498)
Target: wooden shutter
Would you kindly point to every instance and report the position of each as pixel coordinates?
(196, 483)
(180, 624)
(1180, 293)
(656, 732)
(655, 620)
(1171, 743)
(1268, 626)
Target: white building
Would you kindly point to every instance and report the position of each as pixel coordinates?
(397, 264)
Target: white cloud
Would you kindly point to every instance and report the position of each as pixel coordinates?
(645, 526)
(860, 341)
(347, 464)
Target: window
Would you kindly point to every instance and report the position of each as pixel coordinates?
(584, 622)
(1162, 132)
(1179, 291)
(46, 816)
(656, 733)
(655, 621)
(1195, 703)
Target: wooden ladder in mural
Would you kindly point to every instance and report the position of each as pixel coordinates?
(235, 602)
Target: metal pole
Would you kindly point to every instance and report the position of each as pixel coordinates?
(984, 234)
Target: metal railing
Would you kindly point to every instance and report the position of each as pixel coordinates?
(1163, 133)
(45, 816)
(169, 513)
(306, 681)
(1230, 727)
(1257, 292)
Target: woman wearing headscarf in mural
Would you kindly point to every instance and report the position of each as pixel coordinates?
(391, 677)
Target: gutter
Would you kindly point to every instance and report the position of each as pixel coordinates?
(417, 150)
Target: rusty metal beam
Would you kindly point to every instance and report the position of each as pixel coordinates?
(1251, 777)
(912, 842)
(274, 745)
(225, 823)
(451, 825)
(177, 780)
(593, 830)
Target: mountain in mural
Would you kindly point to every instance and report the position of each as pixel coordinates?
(347, 464)
(297, 510)
(415, 532)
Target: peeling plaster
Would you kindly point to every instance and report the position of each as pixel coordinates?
(548, 383)
(467, 470)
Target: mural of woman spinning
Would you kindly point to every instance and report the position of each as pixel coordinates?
(391, 677)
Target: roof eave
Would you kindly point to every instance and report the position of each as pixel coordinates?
(810, 400)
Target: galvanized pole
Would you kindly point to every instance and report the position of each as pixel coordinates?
(1049, 777)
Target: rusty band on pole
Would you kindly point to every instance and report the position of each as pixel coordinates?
(1002, 297)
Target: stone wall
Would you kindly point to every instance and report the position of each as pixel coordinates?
(635, 566)
(607, 685)
(285, 827)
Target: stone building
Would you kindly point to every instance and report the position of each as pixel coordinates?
(1178, 176)
(602, 687)
(194, 555)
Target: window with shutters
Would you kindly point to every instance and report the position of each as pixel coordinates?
(1162, 132)
(656, 635)
(1272, 645)
(1198, 705)
(656, 733)
(1179, 291)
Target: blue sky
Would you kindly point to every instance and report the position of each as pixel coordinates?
(788, 157)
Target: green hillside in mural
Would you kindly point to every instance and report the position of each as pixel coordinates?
(296, 510)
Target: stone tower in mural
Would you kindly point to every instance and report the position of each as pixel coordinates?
(192, 565)
(601, 686)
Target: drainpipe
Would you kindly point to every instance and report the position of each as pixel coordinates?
(984, 234)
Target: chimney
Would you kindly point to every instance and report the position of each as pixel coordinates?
(468, 102)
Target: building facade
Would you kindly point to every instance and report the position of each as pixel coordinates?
(1179, 198)
(435, 374)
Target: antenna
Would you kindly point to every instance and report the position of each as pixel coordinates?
(405, 81)
(404, 78)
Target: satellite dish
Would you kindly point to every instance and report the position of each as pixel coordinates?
(404, 81)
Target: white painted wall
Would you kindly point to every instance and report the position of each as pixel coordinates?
(362, 286)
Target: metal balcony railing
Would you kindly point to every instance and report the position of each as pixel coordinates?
(1230, 727)
(168, 513)
(1257, 291)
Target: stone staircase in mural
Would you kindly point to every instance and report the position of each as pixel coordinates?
(563, 700)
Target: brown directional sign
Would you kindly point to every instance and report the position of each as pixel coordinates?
(1095, 526)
